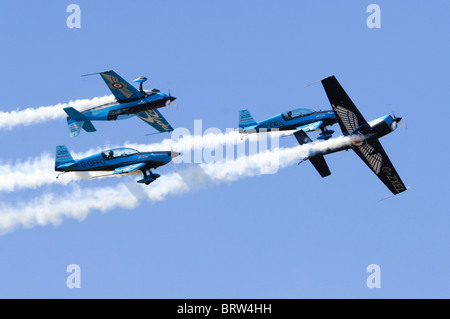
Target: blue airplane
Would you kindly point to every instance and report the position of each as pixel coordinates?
(365, 135)
(306, 120)
(119, 160)
(129, 102)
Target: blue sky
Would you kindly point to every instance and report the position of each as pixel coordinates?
(286, 235)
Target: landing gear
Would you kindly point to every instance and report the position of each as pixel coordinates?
(326, 134)
(148, 179)
(57, 176)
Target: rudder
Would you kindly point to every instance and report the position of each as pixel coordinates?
(63, 156)
(246, 120)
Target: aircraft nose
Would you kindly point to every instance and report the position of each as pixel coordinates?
(397, 119)
(174, 154)
(172, 98)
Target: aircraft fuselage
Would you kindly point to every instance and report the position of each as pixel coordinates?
(121, 111)
(101, 161)
(281, 123)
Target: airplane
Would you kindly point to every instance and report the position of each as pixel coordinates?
(119, 160)
(364, 137)
(129, 102)
(303, 119)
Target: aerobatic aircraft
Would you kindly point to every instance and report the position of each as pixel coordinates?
(364, 137)
(129, 102)
(306, 120)
(118, 160)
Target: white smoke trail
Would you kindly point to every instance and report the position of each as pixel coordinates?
(52, 209)
(9, 120)
(33, 173)
(266, 162)
(37, 172)
(78, 203)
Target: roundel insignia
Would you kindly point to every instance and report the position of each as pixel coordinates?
(358, 142)
(118, 85)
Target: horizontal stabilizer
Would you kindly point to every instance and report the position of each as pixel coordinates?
(318, 161)
(320, 164)
(74, 114)
(88, 127)
(78, 121)
(76, 126)
(302, 138)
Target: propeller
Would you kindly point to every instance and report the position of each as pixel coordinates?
(398, 120)
(174, 155)
(171, 100)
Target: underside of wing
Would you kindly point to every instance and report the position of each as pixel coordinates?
(156, 120)
(311, 127)
(122, 90)
(376, 158)
(129, 168)
(347, 114)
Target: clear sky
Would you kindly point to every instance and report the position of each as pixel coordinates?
(286, 235)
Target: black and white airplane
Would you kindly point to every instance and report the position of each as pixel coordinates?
(364, 137)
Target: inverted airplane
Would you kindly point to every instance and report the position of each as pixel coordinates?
(118, 160)
(364, 137)
(129, 102)
(306, 120)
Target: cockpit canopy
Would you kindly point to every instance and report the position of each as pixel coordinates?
(118, 152)
(152, 91)
(296, 114)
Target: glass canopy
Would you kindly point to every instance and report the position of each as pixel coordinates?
(296, 114)
(118, 152)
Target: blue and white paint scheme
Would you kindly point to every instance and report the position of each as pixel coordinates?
(303, 119)
(129, 102)
(118, 160)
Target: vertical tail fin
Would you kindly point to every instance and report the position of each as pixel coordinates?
(246, 120)
(78, 121)
(63, 157)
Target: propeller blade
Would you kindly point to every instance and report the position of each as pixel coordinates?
(173, 155)
(403, 124)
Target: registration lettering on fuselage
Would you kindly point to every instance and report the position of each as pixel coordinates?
(92, 163)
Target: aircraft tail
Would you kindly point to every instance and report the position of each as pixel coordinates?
(246, 121)
(78, 121)
(317, 160)
(63, 158)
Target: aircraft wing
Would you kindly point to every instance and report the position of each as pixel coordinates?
(311, 127)
(375, 157)
(343, 106)
(155, 119)
(129, 168)
(122, 90)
